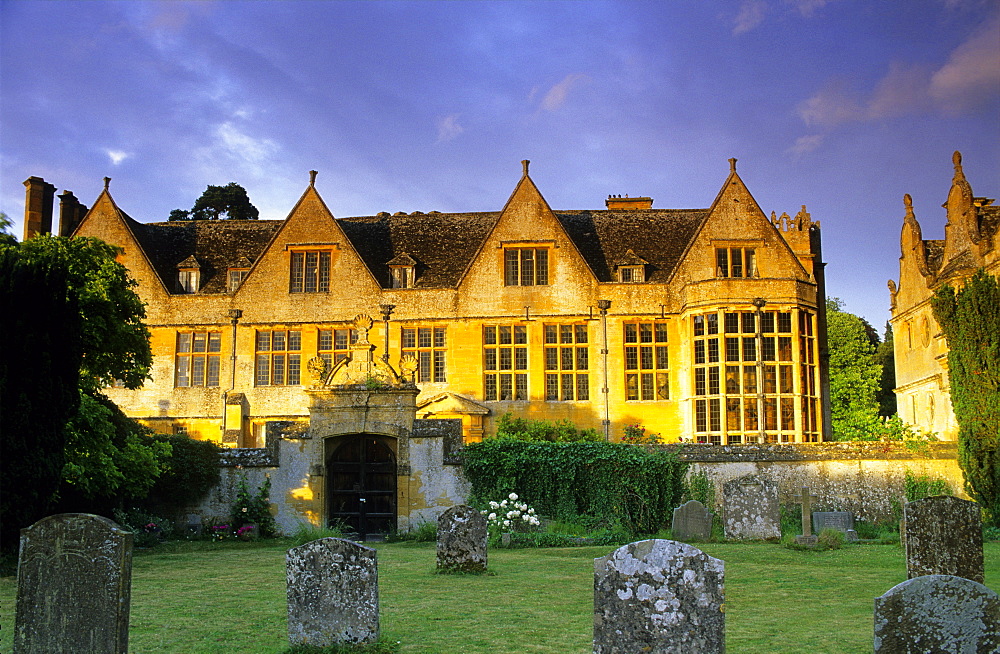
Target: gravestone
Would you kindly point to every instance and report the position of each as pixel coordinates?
(937, 613)
(944, 536)
(461, 540)
(658, 596)
(750, 508)
(807, 537)
(332, 593)
(842, 521)
(692, 521)
(74, 586)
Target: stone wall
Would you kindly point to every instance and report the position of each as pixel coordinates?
(864, 478)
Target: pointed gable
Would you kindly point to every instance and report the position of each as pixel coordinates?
(752, 245)
(528, 252)
(107, 222)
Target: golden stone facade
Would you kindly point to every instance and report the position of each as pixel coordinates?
(703, 325)
(922, 389)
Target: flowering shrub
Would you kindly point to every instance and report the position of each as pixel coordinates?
(254, 509)
(220, 532)
(636, 435)
(508, 516)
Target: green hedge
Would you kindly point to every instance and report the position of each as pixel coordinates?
(635, 487)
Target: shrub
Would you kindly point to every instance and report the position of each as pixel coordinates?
(254, 509)
(307, 532)
(830, 539)
(619, 484)
(699, 487)
(636, 435)
(191, 470)
(560, 431)
(921, 486)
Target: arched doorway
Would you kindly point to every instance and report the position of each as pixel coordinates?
(361, 485)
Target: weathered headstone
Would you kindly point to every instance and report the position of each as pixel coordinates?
(807, 537)
(332, 593)
(692, 521)
(74, 586)
(461, 540)
(750, 508)
(658, 596)
(944, 536)
(842, 521)
(937, 613)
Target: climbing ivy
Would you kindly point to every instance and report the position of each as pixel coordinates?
(634, 487)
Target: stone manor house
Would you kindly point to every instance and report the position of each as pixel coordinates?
(331, 335)
(921, 352)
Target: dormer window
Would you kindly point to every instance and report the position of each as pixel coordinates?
(238, 273)
(189, 275)
(403, 269)
(630, 274)
(631, 268)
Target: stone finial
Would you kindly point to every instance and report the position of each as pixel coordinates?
(956, 159)
(732, 164)
(908, 203)
(362, 323)
(524, 164)
(312, 177)
(107, 183)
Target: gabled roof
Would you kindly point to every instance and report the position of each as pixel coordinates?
(217, 244)
(442, 245)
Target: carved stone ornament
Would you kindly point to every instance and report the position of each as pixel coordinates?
(363, 322)
(408, 367)
(317, 370)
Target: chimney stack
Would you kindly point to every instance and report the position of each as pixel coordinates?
(71, 213)
(37, 207)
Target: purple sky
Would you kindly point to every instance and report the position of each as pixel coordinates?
(404, 106)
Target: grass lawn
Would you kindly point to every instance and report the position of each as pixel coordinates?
(230, 597)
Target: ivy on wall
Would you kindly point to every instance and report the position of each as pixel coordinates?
(636, 487)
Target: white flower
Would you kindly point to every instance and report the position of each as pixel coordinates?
(494, 505)
(503, 504)
(512, 496)
(506, 523)
(492, 516)
(511, 514)
(531, 511)
(526, 517)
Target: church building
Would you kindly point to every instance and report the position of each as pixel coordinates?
(970, 242)
(702, 325)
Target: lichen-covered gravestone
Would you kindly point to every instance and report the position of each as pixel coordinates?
(658, 596)
(750, 508)
(937, 613)
(332, 593)
(692, 521)
(461, 540)
(74, 586)
(842, 521)
(944, 536)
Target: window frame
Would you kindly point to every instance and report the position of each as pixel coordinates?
(194, 367)
(515, 259)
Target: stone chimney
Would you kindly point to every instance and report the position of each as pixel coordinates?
(37, 207)
(619, 202)
(71, 213)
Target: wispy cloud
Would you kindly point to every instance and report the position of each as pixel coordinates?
(808, 8)
(972, 73)
(970, 78)
(805, 144)
(448, 128)
(558, 94)
(751, 15)
(116, 156)
(239, 144)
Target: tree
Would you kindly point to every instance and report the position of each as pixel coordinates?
(230, 201)
(970, 321)
(886, 357)
(39, 379)
(72, 324)
(114, 339)
(854, 374)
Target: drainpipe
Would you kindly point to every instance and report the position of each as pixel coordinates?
(234, 319)
(604, 305)
(386, 310)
